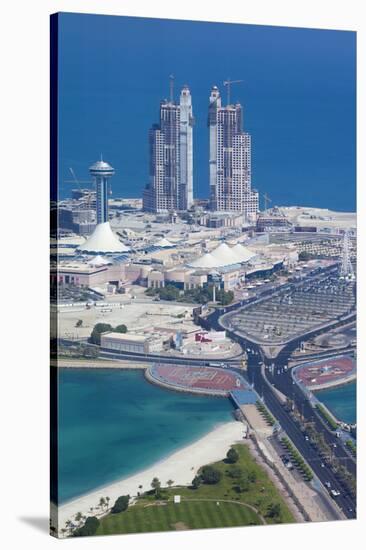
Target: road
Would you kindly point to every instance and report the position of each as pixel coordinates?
(325, 474)
(283, 382)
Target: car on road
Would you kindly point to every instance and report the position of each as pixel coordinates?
(328, 484)
(335, 493)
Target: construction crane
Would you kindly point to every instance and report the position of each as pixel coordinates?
(78, 182)
(171, 87)
(266, 201)
(228, 84)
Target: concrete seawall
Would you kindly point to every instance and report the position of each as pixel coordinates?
(334, 383)
(153, 380)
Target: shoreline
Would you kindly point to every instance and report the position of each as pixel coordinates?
(181, 467)
(331, 413)
(180, 389)
(334, 383)
(98, 364)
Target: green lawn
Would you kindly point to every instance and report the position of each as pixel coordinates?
(186, 515)
(260, 493)
(147, 515)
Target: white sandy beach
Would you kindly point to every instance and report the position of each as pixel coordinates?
(181, 467)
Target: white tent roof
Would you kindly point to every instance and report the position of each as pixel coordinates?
(205, 261)
(244, 253)
(103, 240)
(223, 255)
(163, 243)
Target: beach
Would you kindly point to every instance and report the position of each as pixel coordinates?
(181, 467)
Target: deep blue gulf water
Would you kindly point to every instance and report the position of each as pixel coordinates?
(341, 401)
(114, 423)
(298, 94)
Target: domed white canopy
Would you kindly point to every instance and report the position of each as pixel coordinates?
(224, 255)
(243, 253)
(103, 240)
(163, 243)
(205, 261)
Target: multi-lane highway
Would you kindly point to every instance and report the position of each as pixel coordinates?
(283, 382)
(346, 501)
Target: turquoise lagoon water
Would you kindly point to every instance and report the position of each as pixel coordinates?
(341, 401)
(113, 423)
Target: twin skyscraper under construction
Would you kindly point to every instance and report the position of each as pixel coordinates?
(171, 157)
(170, 184)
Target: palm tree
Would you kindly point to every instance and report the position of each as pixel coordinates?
(78, 516)
(107, 500)
(155, 484)
(68, 524)
(102, 502)
(170, 482)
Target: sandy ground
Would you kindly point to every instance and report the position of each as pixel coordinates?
(97, 364)
(135, 315)
(181, 467)
(323, 217)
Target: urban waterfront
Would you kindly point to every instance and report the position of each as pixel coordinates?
(214, 269)
(113, 424)
(341, 401)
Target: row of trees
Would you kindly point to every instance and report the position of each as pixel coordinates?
(99, 328)
(195, 295)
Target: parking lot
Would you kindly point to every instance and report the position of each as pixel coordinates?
(302, 308)
(67, 294)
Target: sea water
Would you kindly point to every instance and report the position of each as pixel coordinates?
(341, 401)
(113, 423)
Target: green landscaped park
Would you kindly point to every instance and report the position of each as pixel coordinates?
(170, 516)
(244, 495)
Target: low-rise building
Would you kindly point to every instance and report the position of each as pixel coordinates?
(87, 273)
(132, 343)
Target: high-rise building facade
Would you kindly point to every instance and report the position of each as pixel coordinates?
(101, 172)
(170, 184)
(230, 159)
